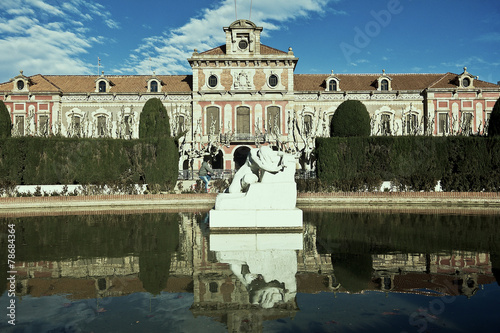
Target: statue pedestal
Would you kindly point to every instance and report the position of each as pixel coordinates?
(256, 218)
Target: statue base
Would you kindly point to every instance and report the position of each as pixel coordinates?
(256, 219)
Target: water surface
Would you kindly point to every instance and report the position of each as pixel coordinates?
(165, 272)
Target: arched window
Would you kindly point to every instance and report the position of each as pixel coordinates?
(332, 85)
(153, 86)
(273, 80)
(212, 81)
(212, 120)
(384, 85)
(213, 287)
(102, 86)
(273, 120)
(20, 85)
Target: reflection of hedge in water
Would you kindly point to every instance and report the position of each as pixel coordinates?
(417, 233)
(152, 237)
(352, 238)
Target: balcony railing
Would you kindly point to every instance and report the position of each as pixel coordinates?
(246, 137)
(228, 174)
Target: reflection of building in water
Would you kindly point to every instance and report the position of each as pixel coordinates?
(220, 294)
(458, 273)
(80, 278)
(223, 292)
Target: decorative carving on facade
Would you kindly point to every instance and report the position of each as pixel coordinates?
(241, 81)
(331, 97)
(380, 96)
(127, 98)
(306, 97)
(411, 96)
(101, 98)
(358, 97)
(74, 98)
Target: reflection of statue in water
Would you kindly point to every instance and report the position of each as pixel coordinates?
(259, 161)
(274, 283)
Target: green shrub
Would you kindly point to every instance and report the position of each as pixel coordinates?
(494, 122)
(154, 121)
(350, 119)
(5, 122)
(410, 162)
(118, 163)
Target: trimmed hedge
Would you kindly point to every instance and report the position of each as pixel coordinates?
(5, 122)
(154, 122)
(494, 122)
(350, 119)
(41, 161)
(410, 162)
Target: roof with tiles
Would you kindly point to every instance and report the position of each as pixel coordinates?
(119, 83)
(367, 82)
(450, 80)
(264, 49)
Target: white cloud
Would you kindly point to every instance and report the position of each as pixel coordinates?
(44, 38)
(169, 51)
(489, 37)
(45, 7)
(16, 24)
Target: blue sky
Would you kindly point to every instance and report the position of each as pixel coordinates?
(346, 36)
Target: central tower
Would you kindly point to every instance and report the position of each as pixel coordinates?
(243, 38)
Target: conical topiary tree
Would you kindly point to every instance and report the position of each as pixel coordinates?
(494, 122)
(350, 119)
(5, 122)
(154, 121)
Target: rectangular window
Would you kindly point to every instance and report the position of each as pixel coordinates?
(443, 123)
(467, 123)
(307, 124)
(19, 126)
(43, 125)
(101, 126)
(411, 124)
(273, 120)
(212, 120)
(180, 124)
(127, 133)
(243, 120)
(76, 122)
(386, 124)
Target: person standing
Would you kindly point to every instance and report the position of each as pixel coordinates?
(206, 172)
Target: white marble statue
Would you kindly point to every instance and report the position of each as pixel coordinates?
(259, 161)
(265, 181)
(263, 194)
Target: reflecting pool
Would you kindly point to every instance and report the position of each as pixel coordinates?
(347, 271)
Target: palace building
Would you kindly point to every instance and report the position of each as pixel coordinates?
(244, 94)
